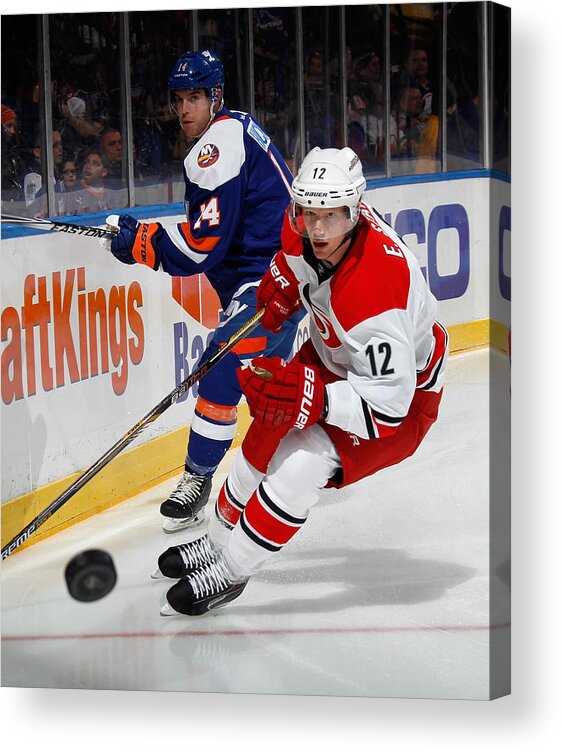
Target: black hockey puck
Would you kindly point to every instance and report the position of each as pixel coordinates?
(90, 575)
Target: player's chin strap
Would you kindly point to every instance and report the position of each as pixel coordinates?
(323, 267)
(218, 101)
(347, 237)
(212, 114)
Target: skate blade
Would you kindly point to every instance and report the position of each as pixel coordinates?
(157, 575)
(167, 610)
(172, 525)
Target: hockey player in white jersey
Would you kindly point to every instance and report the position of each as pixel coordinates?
(359, 396)
(237, 190)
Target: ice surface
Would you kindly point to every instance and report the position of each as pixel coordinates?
(384, 592)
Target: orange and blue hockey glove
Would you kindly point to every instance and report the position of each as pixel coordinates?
(136, 242)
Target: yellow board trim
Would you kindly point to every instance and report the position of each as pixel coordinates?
(128, 474)
(482, 333)
(151, 463)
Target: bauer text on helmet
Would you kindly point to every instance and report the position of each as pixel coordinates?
(328, 179)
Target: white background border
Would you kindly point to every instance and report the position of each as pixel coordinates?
(530, 717)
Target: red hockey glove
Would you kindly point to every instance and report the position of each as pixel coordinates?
(279, 293)
(280, 392)
(136, 242)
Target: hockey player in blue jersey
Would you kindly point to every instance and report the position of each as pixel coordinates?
(237, 188)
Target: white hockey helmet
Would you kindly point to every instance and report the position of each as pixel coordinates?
(328, 179)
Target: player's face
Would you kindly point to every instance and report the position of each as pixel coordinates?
(192, 107)
(326, 229)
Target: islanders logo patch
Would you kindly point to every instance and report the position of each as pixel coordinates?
(208, 155)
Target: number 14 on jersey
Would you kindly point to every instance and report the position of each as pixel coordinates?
(209, 213)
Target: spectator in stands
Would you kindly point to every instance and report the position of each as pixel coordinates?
(314, 74)
(57, 156)
(271, 70)
(463, 131)
(168, 126)
(415, 71)
(416, 133)
(78, 130)
(111, 149)
(93, 195)
(104, 99)
(155, 136)
(34, 187)
(69, 175)
(9, 119)
(322, 125)
(369, 73)
(365, 127)
(350, 73)
(13, 165)
(418, 69)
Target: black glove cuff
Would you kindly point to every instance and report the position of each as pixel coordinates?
(326, 408)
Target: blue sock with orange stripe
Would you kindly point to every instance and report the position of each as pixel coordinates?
(213, 428)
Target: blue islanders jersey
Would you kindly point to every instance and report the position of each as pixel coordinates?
(237, 190)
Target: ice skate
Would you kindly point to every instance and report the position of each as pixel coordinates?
(184, 508)
(181, 561)
(207, 588)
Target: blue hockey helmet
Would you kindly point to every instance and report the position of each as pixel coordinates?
(198, 70)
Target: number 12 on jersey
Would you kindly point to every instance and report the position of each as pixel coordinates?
(209, 213)
(384, 351)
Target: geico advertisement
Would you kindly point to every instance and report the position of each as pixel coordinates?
(460, 232)
(90, 345)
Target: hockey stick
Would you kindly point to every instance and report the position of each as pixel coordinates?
(59, 226)
(125, 440)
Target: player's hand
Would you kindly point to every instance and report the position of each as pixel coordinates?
(279, 392)
(136, 242)
(278, 292)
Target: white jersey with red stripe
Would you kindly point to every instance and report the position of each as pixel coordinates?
(373, 324)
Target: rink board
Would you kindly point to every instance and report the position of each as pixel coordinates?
(89, 345)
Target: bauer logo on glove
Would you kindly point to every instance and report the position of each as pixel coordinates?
(280, 392)
(278, 292)
(307, 403)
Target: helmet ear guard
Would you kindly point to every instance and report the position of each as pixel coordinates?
(215, 94)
